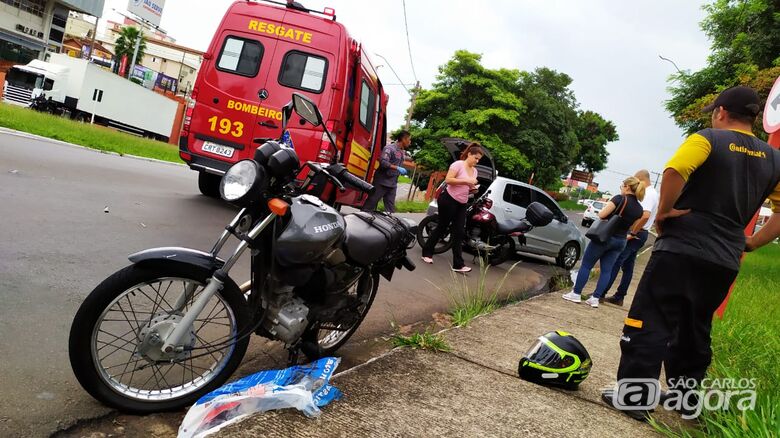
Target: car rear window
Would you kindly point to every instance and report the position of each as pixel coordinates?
(303, 71)
(240, 56)
(517, 195)
(598, 205)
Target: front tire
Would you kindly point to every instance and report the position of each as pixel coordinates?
(208, 184)
(424, 231)
(568, 256)
(123, 303)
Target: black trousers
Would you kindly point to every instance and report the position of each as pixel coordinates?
(451, 212)
(671, 317)
(383, 193)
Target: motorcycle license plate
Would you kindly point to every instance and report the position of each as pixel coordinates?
(225, 151)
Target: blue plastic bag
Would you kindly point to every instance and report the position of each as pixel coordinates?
(304, 387)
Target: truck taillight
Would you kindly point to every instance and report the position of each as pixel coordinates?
(185, 132)
(327, 152)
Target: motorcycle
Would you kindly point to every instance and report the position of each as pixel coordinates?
(172, 326)
(485, 235)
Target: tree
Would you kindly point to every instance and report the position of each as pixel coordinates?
(125, 44)
(745, 37)
(594, 132)
(528, 120)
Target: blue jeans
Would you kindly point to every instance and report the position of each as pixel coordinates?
(607, 254)
(625, 261)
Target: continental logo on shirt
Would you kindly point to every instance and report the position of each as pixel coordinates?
(743, 150)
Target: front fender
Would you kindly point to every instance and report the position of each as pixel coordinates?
(174, 254)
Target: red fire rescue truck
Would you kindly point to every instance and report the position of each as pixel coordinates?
(261, 54)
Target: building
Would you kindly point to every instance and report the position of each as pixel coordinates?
(30, 28)
(174, 64)
(80, 48)
(166, 65)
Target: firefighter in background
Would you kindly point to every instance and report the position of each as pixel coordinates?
(386, 177)
(712, 187)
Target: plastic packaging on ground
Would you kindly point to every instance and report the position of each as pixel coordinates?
(304, 387)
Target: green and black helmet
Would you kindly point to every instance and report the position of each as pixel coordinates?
(556, 359)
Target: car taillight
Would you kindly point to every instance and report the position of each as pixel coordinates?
(488, 203)
(326, 152)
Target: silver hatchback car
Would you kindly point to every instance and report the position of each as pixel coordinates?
(561, 239)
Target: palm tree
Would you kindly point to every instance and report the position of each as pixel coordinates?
(125, 44)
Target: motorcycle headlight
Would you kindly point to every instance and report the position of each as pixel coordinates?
(242, 182)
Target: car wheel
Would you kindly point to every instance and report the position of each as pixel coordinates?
(568, 255)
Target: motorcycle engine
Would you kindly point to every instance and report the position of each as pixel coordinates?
(286, 316)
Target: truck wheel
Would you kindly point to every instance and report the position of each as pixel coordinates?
(209, 184)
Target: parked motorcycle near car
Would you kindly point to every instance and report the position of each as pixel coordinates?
(173, 325)
(486, 236)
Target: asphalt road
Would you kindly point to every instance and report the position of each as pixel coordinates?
(70, 217)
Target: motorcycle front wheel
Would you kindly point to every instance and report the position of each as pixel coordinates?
(114, 350)
(424, 231)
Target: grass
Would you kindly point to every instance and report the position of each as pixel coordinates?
(467, 302)
(423, 341)
(745, 345)
(407, 206)
(404, 180)
(572, 205)
(91, 136)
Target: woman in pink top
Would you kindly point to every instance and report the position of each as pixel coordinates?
(461, 179)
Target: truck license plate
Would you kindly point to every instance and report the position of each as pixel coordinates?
(214, 148)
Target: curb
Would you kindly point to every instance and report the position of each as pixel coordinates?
(22, 134)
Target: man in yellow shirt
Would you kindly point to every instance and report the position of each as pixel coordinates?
(711, 189)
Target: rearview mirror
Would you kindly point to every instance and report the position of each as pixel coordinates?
(306, 109)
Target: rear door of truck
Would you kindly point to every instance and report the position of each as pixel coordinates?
(229, 101)
(305, 62)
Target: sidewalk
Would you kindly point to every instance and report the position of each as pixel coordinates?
(474, 389)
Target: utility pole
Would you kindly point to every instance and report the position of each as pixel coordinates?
(92, 43)
(135, 52)
(409, 113)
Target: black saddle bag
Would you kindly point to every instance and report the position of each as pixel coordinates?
(376, 238)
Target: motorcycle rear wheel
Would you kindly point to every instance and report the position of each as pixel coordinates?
(331, 340)
(501, 254)
(111, 323)
(424, 230)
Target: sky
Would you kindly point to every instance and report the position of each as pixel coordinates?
(610, 48)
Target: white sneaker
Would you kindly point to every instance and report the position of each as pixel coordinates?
(593, 302)
(574, 298)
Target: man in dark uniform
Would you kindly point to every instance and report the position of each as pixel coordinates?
(711, 189)
(386, 176)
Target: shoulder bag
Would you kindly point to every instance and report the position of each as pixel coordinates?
(604, 229)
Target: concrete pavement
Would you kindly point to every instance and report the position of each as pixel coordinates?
(474, 390)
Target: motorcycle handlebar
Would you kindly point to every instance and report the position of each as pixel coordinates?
(340, 172)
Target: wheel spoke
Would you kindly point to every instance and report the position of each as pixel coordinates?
(116, 340)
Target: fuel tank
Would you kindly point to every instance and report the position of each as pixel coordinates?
(314, 228)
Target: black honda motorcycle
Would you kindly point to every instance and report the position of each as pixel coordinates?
(173, 325)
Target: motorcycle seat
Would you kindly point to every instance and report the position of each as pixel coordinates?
(513, 226)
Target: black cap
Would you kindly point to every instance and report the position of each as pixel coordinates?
(740, 99)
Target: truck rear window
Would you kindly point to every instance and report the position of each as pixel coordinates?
(240, 56)
(303, 71)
